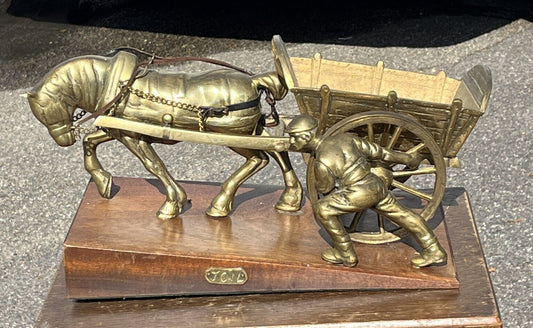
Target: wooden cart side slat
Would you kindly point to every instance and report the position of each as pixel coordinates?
(439, 87)
(376, 80)
(439, 110)
(378, 77)
(474, 92)
(456, 107)
(347, 104)
(465, 119)
(337, 75)
(325, 106)
(462, 131)
(340, 106)
(378, 101)
(417, 86)
(358, 88)
(434, 117)
(475, 88)
(316, 69)
(302, 68)
(435, 128)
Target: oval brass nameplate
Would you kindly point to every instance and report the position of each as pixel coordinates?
(226, 276)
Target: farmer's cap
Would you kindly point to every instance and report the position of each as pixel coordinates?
(301, 123)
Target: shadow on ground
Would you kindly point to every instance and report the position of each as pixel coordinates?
(412, 23)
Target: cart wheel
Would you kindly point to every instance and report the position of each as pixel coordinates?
(419, 188)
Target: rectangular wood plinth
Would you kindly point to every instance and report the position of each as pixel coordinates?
(118, 248)
(472, 304)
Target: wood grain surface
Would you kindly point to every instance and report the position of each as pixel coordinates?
(472, 304)
(118, 248)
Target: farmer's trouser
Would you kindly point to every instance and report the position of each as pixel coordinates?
(369, 192)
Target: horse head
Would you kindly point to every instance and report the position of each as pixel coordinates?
(54, 112)
(72, 84)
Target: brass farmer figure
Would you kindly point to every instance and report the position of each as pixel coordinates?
(343, 175)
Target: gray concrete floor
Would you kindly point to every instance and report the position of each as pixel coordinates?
(42, 184)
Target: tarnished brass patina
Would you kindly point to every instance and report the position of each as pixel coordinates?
(223, 100)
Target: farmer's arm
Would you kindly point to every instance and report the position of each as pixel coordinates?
(324, 179)
(375, 152)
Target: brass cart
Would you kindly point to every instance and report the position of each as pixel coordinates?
(412, 112)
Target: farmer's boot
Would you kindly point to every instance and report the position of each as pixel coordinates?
(432, 253)
(343, 250)
(342, 253)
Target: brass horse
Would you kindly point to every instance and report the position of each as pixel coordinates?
(91, 82)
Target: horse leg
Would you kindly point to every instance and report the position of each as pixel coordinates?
(222, 204)
(176, 196)
(291, 197)
(101, 177)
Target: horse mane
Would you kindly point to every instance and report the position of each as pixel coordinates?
(76, 82)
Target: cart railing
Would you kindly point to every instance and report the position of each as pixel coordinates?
(333, 90)
(373, 80)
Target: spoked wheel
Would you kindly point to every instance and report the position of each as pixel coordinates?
(419, 188)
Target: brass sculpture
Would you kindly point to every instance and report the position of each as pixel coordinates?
(363, 139)
(222, 100)
(342, 171)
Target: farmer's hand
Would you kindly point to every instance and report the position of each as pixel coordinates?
(414, 160)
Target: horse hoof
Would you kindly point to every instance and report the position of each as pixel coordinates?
(290, 202)
(168, 211)
(282, 206)
(104, 184)
(216, 213)
(165, 216)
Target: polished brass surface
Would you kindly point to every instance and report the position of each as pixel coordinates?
(430, 115)
(226, 276)
(431, 168)
(368, 134)
(447, 107)
(340, 170)
(267, 143)
(221, 100)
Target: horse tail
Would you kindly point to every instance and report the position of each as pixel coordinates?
(275, 89)
(271, 82)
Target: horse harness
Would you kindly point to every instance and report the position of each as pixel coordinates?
(203, 111)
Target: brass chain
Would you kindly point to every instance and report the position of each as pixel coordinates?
(173, 103)
(163, 101)
(78, 130)
(78, 116)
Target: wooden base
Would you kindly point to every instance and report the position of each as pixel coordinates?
(470, 305)
(118, 248)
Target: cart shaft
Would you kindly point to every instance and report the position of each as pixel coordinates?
(266, 143)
